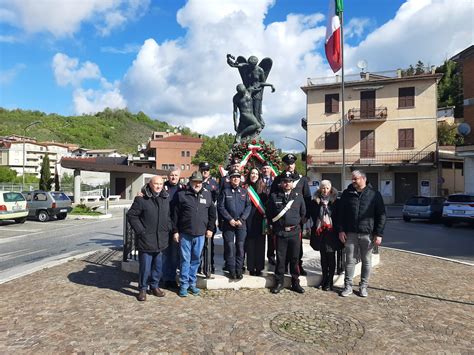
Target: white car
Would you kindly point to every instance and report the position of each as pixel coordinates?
(458, 208)
(13, 206)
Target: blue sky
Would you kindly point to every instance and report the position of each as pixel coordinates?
(167, 57)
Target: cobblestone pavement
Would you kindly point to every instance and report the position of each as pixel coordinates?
(416, 304)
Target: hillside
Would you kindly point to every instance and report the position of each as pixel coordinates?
(118, 129)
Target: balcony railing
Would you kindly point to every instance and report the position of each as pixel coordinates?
(383, 158)
(378, 114)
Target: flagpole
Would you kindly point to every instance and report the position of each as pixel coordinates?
(343, 175)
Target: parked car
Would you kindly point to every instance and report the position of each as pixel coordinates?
(423, 207)
(43, 205)
(458, 208)
(13, 206)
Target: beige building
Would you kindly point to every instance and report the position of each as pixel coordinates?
(11, 155)
(465, 60)
(390, 132)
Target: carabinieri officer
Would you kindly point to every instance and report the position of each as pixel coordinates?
(285, 211)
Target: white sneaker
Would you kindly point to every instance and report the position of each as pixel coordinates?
(363, 292)
(347, 291)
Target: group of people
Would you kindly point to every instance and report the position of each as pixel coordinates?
(174, 222)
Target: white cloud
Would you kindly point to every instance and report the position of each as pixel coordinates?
(92, 101)
(7, 76)
(426, 30)
(68, 72)
(356, 27)
(125, 49)
(64, 18)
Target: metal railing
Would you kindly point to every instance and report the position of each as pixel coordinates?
(408, 157)
(129, 240)
(379, 113)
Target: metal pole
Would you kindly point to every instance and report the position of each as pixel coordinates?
(343, 175)
(23, 173)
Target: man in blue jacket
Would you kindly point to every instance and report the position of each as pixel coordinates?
(234, 208)
(194, 217)
(149, 217)
(361, 218)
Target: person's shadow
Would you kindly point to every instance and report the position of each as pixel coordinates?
(106, 276)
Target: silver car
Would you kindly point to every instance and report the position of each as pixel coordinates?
(423, 207)
(43, 205)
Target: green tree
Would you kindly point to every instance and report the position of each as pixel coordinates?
(214, 150)
(45, 178)
(448, 135)
(7, 174)
(450, 87)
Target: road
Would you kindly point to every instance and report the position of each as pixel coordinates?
(456, 242)
(34, 244)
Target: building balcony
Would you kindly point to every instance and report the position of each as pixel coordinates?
(378, 114)
(378, 158)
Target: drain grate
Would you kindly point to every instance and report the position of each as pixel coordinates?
(324, 329)
(103, 257)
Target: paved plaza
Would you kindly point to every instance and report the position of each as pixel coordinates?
(416, 304)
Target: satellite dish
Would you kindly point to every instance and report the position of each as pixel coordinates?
(464, 129)
(362, 64)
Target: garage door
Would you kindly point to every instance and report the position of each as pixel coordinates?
(406, 186)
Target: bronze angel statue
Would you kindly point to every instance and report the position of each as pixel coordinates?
(254, 76)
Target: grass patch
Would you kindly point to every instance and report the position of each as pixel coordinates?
(84, 210)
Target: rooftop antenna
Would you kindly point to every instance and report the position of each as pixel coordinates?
(362, 65)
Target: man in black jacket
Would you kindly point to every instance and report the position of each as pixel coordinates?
(361, 224)
(285, 210)
(194, 216)
(171, 254)
(149, 217)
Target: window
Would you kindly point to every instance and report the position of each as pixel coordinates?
(331, 103)
(164, 166)
(446, 165)
(406, 97)
(188, 154)
(183, 153)
(182, 166)
(188, 167)
(331, 141)
(406, 138)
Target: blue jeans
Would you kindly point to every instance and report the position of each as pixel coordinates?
(234, 240)
(362, 243)
(149, 272)
(170, 261)
(191, 248)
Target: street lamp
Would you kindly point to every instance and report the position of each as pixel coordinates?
(305, 153)
(24, 151)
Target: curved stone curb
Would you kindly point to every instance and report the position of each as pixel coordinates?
(431, 256)
(83, 216)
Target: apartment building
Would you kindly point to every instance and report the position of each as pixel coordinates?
(390, 131)
(465, 60)
(11, 154)
(174, 151)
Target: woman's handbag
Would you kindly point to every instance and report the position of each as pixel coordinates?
(314, 239)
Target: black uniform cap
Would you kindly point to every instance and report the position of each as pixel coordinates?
(289, 159)
(204, 166)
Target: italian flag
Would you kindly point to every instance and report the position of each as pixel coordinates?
(333, 35)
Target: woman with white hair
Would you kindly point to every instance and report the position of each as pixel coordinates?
(323, 211)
